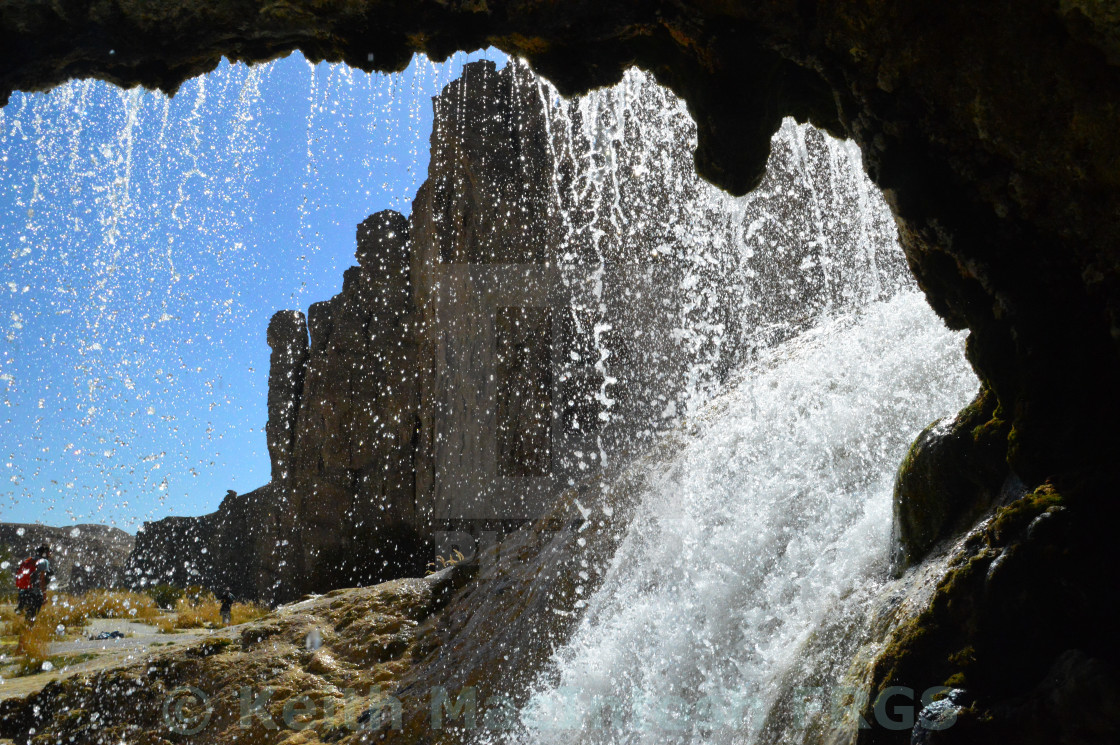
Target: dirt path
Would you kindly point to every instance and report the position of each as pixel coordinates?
(106, 653)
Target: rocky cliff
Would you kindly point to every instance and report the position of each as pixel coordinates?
(343, 401)
(536, 319)
(84, 556)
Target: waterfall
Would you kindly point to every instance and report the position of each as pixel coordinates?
(750, 569)
(733, 274)
(789, 351)
(769, 528)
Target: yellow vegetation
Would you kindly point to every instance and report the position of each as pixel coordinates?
(33, 643)
(207, 612)
(443, 563)
(72, 613)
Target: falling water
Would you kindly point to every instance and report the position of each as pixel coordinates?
(770, 525)
(143, 238)
(813, 363)
(804, 363)
(737, 273)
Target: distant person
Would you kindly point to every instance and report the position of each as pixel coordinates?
(227, 606)
(32, 578)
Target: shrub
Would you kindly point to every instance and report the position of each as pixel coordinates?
(165, 595)
(204, 612)
(196, 594)
(12, 621)
(62, 609)
(207, 612)
(244, 612)
(442, 563)
(33, 641)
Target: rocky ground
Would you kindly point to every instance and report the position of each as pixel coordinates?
(418, 660)
(305, 673)
(84, 656)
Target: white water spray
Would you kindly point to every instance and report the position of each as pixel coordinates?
(772, 523)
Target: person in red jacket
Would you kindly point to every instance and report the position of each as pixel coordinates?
(32, 583)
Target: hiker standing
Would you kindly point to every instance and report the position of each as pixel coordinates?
(31, 580)
(227, 606)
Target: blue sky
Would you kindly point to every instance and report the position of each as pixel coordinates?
(144, 244)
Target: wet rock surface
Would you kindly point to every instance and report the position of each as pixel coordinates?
(360, 665)
(330, 649)
(1016, 622)
(955, 472)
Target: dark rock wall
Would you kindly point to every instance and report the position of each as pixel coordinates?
(287, 337)
(233, 547)
(342, 429)
(483, 232)
(349, 513)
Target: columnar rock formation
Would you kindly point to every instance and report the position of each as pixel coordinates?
(342, 428)
(383, 404)
(287, 337)
(507, 341)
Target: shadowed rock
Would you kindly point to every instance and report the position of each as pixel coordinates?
(383, 242)
(287, 337)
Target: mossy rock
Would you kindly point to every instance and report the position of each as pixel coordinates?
(1022, 620)
(954, 472)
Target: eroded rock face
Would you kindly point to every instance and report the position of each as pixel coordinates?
(236, 546)
(348, 512)
(365, 665)
(287, 337)
(955, 472)
(311, 670)
(342, 427)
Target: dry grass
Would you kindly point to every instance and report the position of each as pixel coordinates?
(33, 641)
(204, 612)
(166, 624)
(442, 563)
(245, 612)
(130, 606)
(72, 612)
(9, 618)
(207, 612)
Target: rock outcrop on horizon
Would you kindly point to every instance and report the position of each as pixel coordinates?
(343, 401)
(85, 556)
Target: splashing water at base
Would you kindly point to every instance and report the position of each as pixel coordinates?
(771, 524)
